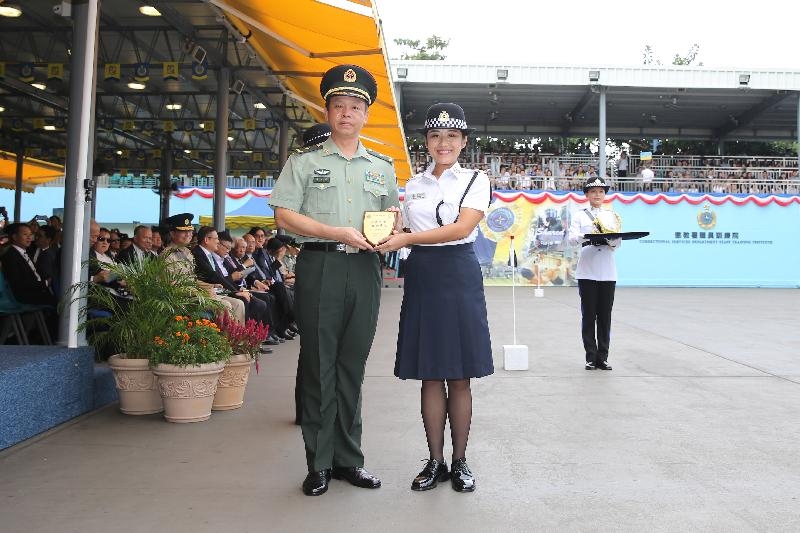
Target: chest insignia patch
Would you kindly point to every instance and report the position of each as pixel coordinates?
(322, 175)
(417, 196)
(373, 176)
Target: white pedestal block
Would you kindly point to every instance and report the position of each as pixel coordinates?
(515, 357)
(538, 293)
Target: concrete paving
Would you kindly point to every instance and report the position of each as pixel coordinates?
(696, 429)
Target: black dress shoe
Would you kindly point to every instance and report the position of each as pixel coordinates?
(590, 366)
(461, 476)
(271, 341)
(265, 350)
(294, 329)
(357, 476)
(434, 472)
(316, 483)
(603, 366)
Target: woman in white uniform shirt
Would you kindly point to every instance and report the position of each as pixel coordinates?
(444, 335)
(596, 272)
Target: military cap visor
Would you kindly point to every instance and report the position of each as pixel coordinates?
(349, 80)
(181, 222)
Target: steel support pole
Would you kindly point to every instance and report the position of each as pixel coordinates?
(165, 181)
(79, 167)
(18, 183)
(798, 132)
(602, 135)
(221, 164)
(720, 146)
(283, 142)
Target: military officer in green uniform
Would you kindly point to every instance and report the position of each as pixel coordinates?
(321, 196)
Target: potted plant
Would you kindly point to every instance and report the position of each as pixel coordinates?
(188, 357)
(245, 342)
(125, 324)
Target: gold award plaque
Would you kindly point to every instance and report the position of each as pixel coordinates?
(378, 225)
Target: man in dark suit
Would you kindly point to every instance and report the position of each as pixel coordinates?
(210, 271)
(25, 282)
(46, 255)
(141, 247)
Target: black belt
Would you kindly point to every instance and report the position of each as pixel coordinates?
(329, 247)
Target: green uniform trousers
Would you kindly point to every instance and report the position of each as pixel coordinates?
(337, 296)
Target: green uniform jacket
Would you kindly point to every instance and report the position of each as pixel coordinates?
(321, 183)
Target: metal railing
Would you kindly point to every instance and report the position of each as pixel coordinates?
(147, 182)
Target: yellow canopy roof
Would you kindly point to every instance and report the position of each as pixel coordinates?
(301, 39)
(34, 171)
(241, 221)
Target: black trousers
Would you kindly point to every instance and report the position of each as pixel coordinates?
(597, 299)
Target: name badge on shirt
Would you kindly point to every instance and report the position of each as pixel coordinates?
(322, 175)
(373, 176)
(417, 196)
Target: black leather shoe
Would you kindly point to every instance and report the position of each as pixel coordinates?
(603, 366)
(434, 472)
(590, 366)
(461, 476)
(265, 350)
(293, 328)
(271, 341)
(316, 483)
(357, 476)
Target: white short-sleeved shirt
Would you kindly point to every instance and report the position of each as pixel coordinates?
(595, 262)
(647, 175)
(424, 192)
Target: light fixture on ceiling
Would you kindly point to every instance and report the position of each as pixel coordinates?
(149, 11)
(173, 107)
(10, 11)
(594, 76)
(247, 151)
(119, 152)
(402, 73)
(744, 80)
(202, 125)
(187, 151)
(502, 74)
(135, 85)
(2, 109)
(259, 105)
(49, 127)
(39, 85)
(230, 139)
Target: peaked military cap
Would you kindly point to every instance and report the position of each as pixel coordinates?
(316, 134)
(181, 222)
(349, 80)
(596, 182)
(446, 116)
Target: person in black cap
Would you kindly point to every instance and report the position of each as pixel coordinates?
(444, 333)
(596, 272)
(316, 134)
(321, 196)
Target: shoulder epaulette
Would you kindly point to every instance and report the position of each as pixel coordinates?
(308, 149)
(380, 156)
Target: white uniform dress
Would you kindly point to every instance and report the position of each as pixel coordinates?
(597, 277)
(444, 333)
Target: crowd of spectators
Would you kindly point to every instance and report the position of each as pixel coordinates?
(253, 275)
(664, 173)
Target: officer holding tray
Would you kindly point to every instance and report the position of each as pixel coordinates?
(321, 195)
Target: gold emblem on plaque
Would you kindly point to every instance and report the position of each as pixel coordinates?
(350, 75)
(378, 225)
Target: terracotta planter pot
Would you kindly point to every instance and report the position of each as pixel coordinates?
(188, 391)
(136, 386)
(232, 383)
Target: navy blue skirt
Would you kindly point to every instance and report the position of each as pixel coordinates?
(444, 333)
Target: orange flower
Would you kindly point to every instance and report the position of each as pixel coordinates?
(178, 318)
(177, 333)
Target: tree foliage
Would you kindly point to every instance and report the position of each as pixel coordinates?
(431, 49)
(649, 56)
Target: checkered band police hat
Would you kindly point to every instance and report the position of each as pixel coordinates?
(446, 116)
(596, 182)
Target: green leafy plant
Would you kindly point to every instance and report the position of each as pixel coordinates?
(188, 342)
(159, 290)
